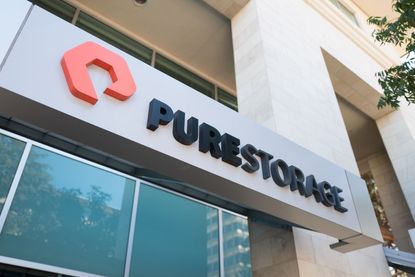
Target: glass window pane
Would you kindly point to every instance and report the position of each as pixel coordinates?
(174, 236)
(69, 214)
(348, 13)
(185, 76)
(236, 248)
(58, 8)
(114, 37)
(227, 99)
(345, 11)
(334, 2)
(11, 151)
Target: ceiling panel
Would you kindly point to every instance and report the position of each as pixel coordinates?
(188, 30)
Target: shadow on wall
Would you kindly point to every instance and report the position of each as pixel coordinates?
(358, 105)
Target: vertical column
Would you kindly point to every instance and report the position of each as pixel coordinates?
(282, 79)
(398, 134)
(251, 71)
(392, 198)
(272, 251)
(283, 83)
(316, 259)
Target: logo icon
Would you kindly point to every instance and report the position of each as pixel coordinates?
(75, 64)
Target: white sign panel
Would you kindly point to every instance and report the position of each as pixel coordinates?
(34, 70)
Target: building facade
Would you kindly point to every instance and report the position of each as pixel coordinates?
(200, 138)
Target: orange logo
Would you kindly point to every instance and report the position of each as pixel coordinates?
(75, 64)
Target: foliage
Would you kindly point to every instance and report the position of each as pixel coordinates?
(397, 82)
(44, 211)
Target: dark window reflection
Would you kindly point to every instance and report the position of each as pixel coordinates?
(69, 214)
(236, 248)
(174, 236)
(11, 151)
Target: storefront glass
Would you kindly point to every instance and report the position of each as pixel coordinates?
(69, 214)
(66, 215)
(174, 236)
(236, 246)
(11, 151)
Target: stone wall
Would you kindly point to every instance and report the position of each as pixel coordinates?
(316, 259)
(272, 251)
(392, 198)
(283, 84)
(398, 134)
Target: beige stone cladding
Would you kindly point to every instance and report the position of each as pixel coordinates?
(283, 84)
(398, 134)
(273, 251)
(316, 259)
(393, 200)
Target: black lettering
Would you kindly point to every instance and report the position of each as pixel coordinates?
(297, 180)
(265, 158)
(230, 150)
(186, 138)
(276, 166)
(252, 163)
(158, 113)
(311, 188)
(338, 199)
(209, 140)
(324, 188)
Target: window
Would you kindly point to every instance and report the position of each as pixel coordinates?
(236, 246)
(347, 12)
(69, 214)
(227, 99)
(174, 236)
(185, 76)
(11, 151)
(110, 35)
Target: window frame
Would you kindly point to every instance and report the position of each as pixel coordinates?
(79, 13)
(138, 182)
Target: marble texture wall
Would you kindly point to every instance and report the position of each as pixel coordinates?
(272, 251)
(393, 200)
(283, 83)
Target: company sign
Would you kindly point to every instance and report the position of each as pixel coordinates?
(75, 64)
(227, 147)
(167, 127)
(224, 146)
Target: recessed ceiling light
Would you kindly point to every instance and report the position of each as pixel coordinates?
(140, 2)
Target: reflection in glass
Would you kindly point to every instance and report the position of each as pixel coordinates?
(185, 76)
(236, 246)
(174, 236)
(114, 37)
(11, 151)
(227, 99)
(69, 214)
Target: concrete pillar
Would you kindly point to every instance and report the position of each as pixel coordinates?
(283, 84)
(315, 258)
(397, 130)
(392, 198)
(272, 251)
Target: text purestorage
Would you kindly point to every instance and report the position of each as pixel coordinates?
(226, 147)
